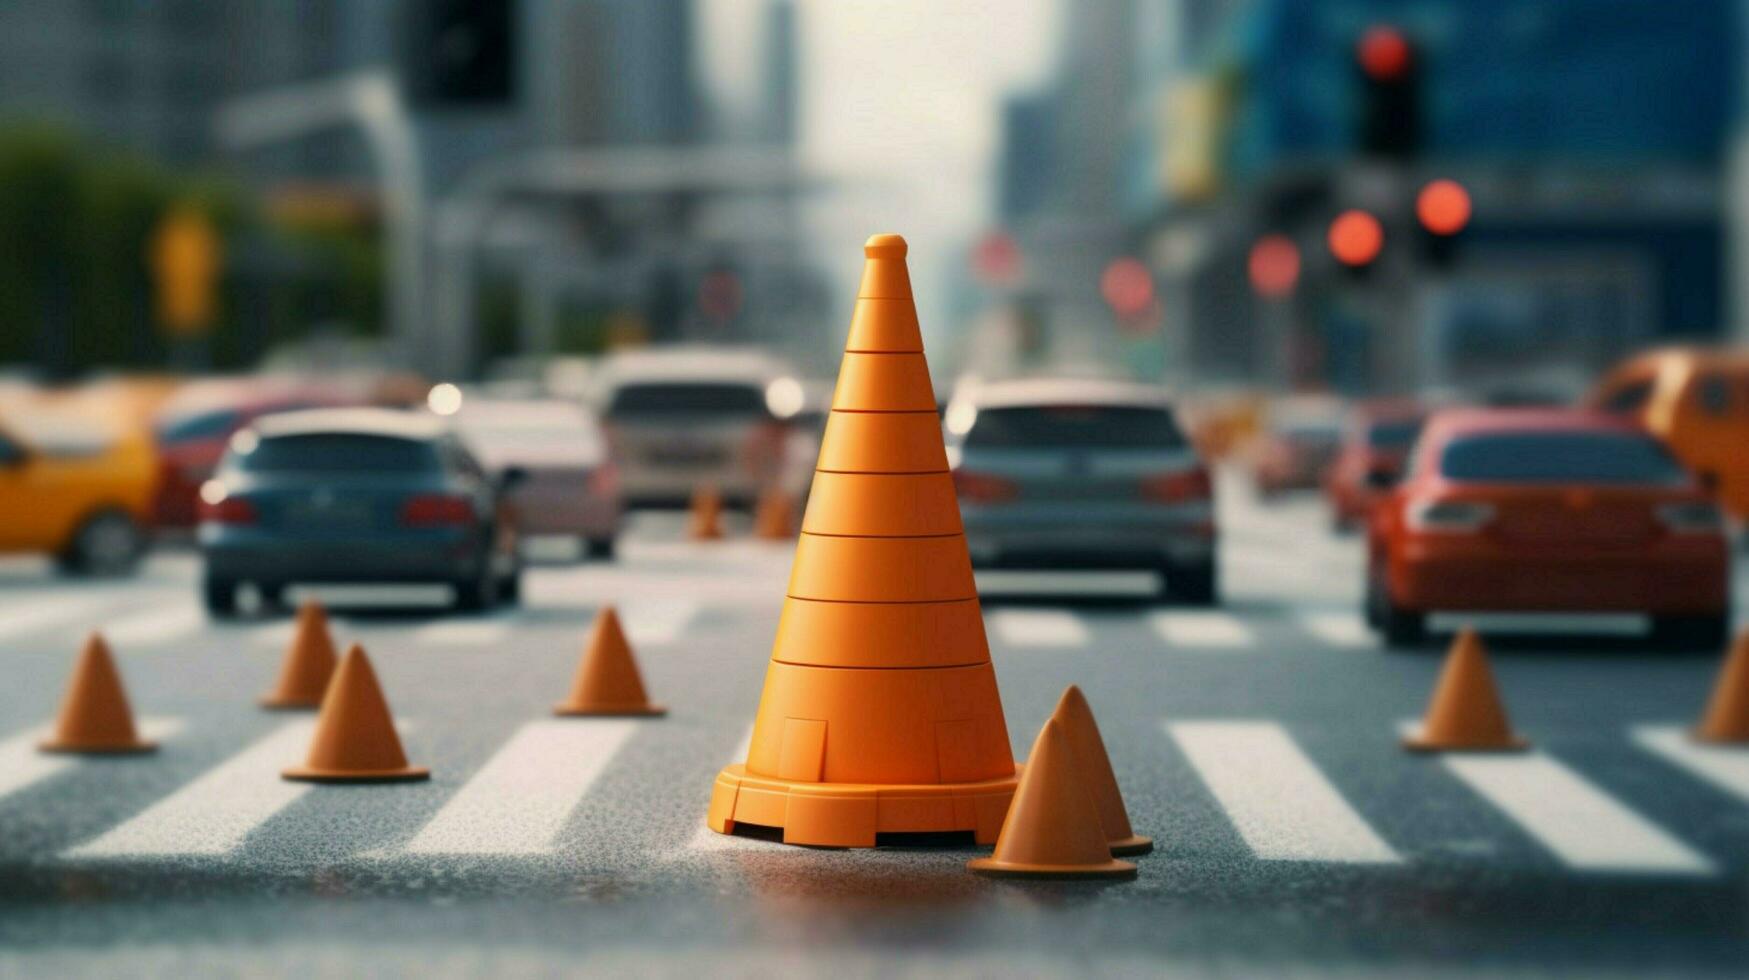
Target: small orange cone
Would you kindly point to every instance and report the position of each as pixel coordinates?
(355, 734)
(1727, 711)
(1075, 718)
(707, 514)
(95, 717)
(308, 664)
(774, 518)
(1053, 828)
(607, 681)
(1466, 714)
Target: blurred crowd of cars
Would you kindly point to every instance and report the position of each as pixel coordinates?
(1622, 504)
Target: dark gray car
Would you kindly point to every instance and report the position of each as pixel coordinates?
(355, 496)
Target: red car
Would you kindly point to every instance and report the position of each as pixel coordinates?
(194, 427)
(1547, 510)
(1374, 448)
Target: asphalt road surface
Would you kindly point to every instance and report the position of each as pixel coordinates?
(1257, 743)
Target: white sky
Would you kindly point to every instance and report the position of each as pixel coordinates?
(899, 103)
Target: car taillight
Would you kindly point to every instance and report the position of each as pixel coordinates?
(982, 488)
(217, 506)
(1450, 516)
(604, 481)
(1692, 517)
(1178, 486)
(436, 510)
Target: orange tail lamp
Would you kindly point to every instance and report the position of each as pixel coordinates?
(880, 712)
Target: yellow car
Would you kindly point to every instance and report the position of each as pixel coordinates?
(74, 488)
(1697, 401)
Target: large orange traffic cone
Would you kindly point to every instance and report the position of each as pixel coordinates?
(355, 734)
(1466, 714)
(1727, 711)
(607, 681)
(774, 517)
(706, 515)
(95, 717)
(308, 664)
(880, 711)
(1075, 719)
(1053, 829)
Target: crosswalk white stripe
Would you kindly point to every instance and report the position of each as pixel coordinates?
(1724, 766)
(1275, 796)
(32, 615)
(656, 620)
(1039, 628)
(22, 764)
(1206, 630)
(154, 626)
(1585, 827)
(1337, 629)
(463, 632)
(519, 800)
(706, 839)
(213, 814)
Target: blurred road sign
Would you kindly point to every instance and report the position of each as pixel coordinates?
(184, 259)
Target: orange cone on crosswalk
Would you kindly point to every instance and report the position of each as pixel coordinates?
(95, 717)
(1075, 718)
(1053, 829)
(308, 664)
(356, 741)
(607, 681)
(1466, 714)
(705, 522)
(774, 516)
(1727, 711)
(880, 712)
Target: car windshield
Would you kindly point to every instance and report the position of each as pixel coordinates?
(336, 453)
(1559, 457)
(1075, 427)
(688, 398)
(197, 426)
(1396, 434)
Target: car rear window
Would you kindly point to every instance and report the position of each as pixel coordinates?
(687, 398)
(337, 453)
(1559, 457)
(1075, 426)
(197, 427)
(1394, 434)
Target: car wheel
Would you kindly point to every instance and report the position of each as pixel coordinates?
(1691, 633)
(220, 596)
(510, 588)
(109, 543)
(478, 593)
(600, 549)
(1402, 627)
(1193, 585)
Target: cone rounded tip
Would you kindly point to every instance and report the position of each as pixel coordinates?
(884, 246)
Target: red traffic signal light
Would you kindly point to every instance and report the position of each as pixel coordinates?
(1128, 286)
(1274, 266)
(1443, 207)
(1356, 238)
(1383, 53)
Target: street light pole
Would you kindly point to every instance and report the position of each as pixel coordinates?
(370, 101)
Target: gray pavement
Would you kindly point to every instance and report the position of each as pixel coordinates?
(1257, 743)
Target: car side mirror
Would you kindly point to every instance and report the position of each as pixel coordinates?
(512, 477)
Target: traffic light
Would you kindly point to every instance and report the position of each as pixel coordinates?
(461, 53)
(1390, 93)
(1356, 238)
(1442, 209)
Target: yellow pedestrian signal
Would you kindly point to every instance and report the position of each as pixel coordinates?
(184, 259)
